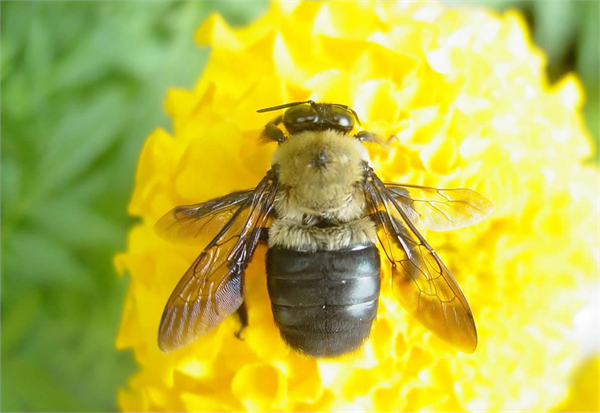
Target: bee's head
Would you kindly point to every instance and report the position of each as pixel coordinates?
(312, 116)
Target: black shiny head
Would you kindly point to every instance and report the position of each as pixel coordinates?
(312, 116)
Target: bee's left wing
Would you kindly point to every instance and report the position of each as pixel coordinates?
(420, 280)
(193, 224)
(213, 287)
(440, 209)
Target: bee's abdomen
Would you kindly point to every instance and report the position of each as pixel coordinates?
(324, 303)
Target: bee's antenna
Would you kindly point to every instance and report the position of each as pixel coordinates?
(287, 105)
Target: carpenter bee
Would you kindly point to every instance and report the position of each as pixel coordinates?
(322, 211)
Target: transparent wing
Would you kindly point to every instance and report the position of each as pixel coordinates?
(213, 288)
(421, 281)
(440, 209)
(193, 224)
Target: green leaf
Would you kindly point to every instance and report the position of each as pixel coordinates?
(11, 180)
(79, 332)
(588, 63)
(38, 58)
(81, 139)
(76, 225)
(14, 27)
(8, 58)
(89, 60)
(32, 257)
(552, 37)
(18, 320)
(27, 385)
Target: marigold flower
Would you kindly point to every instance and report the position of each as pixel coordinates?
(465, 92)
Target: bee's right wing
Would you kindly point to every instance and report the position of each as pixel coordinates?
(213, 287)
(420, 280)
(193, 224)
(440, 209)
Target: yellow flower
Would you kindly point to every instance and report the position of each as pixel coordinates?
(466, 94)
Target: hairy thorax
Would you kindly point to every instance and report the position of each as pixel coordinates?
(320, 204)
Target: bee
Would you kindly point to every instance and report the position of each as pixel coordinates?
(322, 211)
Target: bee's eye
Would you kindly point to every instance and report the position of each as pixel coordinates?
(300, 114)
(311, 116)
(300, 117)
(342, 118)
(343, 121)
(305, 119)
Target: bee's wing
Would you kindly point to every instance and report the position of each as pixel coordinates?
(421, 282)
(193, 224)
(440, 209)
(213, 287)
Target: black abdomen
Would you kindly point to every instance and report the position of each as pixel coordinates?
(324, 302)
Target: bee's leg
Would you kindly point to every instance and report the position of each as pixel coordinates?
(366, 136)
(263, 236)
(242, 311)
(242, 314)
(272, 132)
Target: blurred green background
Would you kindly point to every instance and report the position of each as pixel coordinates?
(82, 85)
